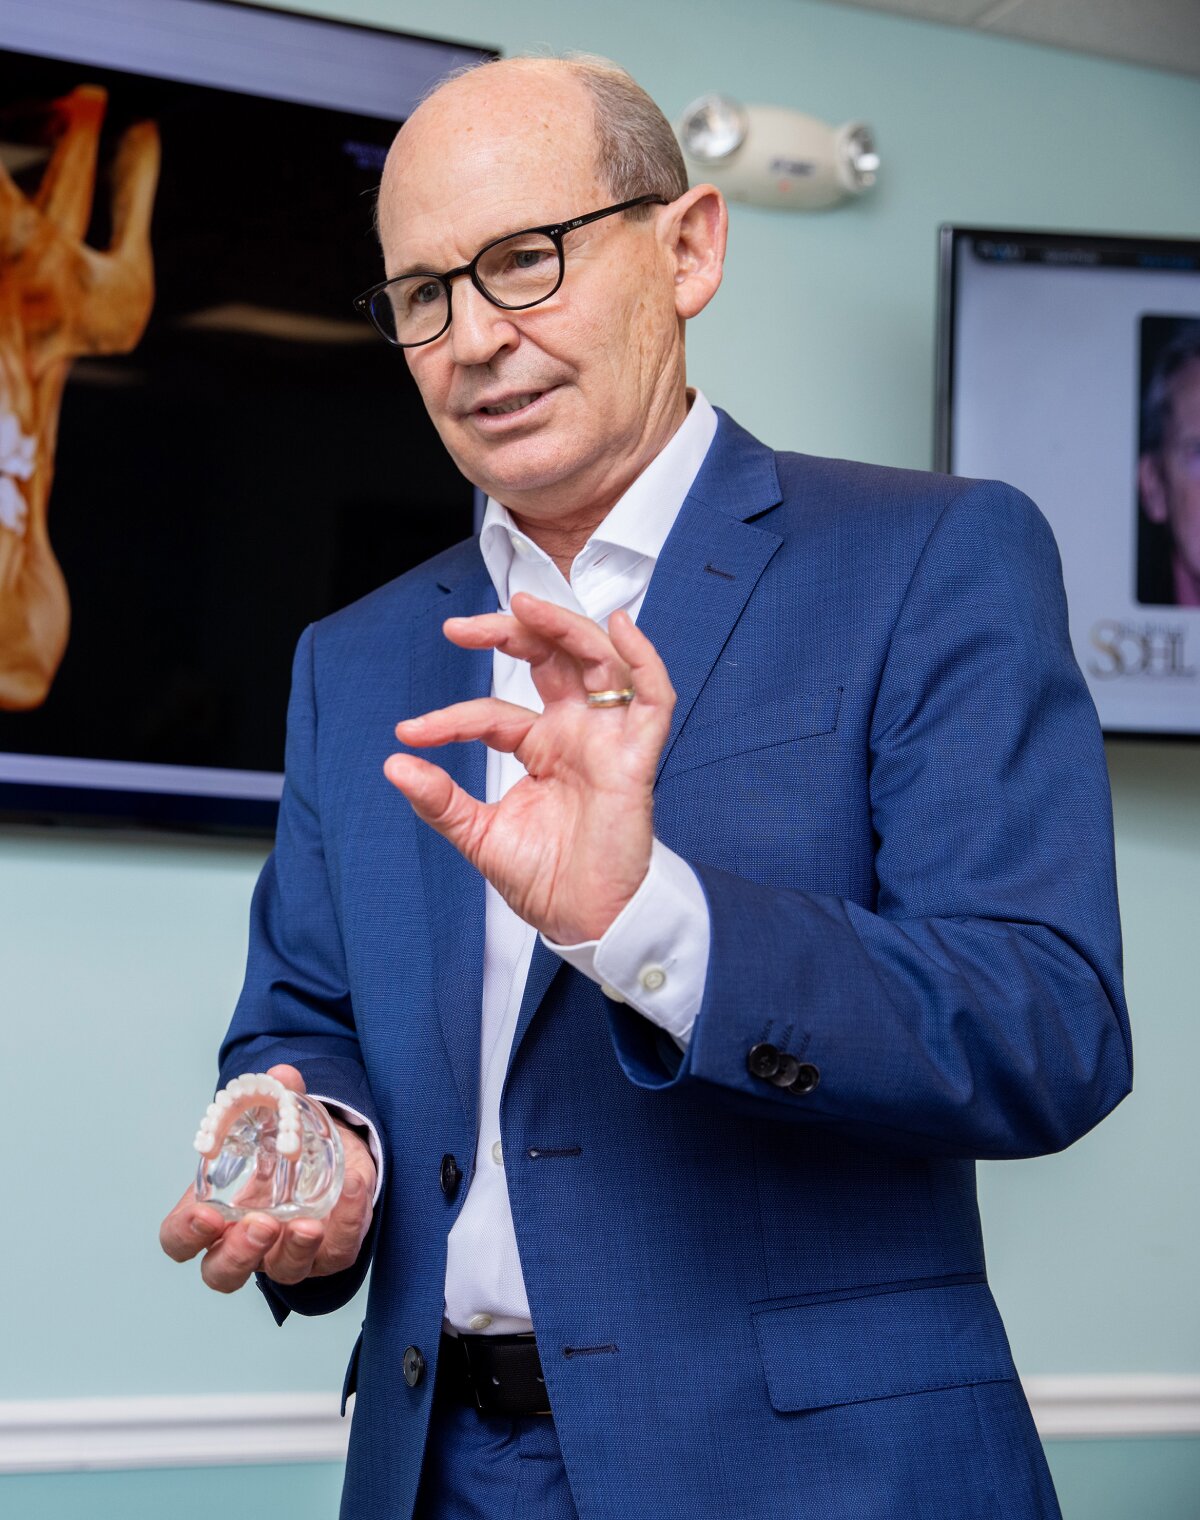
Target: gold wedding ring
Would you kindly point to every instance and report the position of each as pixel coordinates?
(621, 697)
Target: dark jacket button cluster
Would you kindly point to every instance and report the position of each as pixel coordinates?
(768, 1063)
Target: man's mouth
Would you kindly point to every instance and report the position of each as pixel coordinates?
(509, 404)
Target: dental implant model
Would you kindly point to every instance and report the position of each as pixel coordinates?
(267, 1150)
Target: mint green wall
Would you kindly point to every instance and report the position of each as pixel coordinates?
(121, 957)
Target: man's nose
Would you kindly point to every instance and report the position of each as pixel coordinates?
(479, 330)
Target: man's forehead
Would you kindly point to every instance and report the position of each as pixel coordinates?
(511, 141)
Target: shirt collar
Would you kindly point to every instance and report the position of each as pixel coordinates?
(640, 520)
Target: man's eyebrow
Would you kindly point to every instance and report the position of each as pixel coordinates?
(411, 269)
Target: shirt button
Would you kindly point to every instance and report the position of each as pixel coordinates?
(652, 978)
(523, 547)
(498, 1153)
(479, 1321)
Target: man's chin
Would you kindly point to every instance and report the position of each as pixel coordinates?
(519, 467)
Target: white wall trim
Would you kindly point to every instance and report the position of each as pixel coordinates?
(229, 1429)
(1107, 1405)
(204, 1430)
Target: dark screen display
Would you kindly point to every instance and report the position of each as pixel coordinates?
(257, 459)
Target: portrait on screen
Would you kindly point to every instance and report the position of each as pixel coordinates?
(1168, 471)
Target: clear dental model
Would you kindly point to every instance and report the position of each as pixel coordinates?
(267, 1150)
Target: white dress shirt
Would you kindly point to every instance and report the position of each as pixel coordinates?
(655, 954)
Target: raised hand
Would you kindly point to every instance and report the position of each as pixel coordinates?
(289, 1252)
(569, 844)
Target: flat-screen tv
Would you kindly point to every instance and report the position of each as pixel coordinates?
(203, 446)
(1069, 365)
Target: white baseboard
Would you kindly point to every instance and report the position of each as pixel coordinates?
(227, 1430)
(205, 1430)
(1103, 1406)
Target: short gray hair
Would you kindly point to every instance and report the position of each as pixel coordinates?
(636, 150)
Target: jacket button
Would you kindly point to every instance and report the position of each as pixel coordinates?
(763, 1061)
(786, 1072)
(449, 1176)
(414, 1366)
(806, 1078)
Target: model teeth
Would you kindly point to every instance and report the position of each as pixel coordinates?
(513, 405)
(241, 1095)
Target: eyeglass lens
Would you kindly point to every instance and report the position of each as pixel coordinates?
(520, 271)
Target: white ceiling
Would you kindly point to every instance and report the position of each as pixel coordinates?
(1165, 34)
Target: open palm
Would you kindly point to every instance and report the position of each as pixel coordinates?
(569, 844)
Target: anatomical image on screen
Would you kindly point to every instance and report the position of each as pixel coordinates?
(203, 447)
(1168, 477)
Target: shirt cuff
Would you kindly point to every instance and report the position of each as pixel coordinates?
(355, 1120)
(654, 954)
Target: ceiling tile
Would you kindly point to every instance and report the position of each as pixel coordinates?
(1162, 33)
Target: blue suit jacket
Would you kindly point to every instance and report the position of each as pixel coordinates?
(886, 769)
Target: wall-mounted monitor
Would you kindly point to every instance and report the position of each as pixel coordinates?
(203, 447)
(1069, 365)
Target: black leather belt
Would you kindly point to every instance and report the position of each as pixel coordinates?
(495, 1374)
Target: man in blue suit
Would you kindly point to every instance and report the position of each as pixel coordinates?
(663, 1067)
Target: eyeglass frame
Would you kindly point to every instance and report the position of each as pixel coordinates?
(555, 231)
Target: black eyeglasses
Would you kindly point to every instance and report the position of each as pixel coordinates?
(513, 272)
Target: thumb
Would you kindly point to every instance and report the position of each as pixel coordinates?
(289, 1076)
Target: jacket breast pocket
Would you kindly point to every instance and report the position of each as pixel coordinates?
(915, 1340)
(800, 716)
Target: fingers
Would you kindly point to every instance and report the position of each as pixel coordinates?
(289, 1076)
(291, 1258)
(347, 1226)
(498, 630)
(569, 654)
(501, 725)
(601, 666)
(555, 672)
(654, 696)
(240, 1251)
(189, 1228)
(439, 801)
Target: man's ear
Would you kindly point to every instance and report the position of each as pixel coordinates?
(1154, 493)
(697, 225)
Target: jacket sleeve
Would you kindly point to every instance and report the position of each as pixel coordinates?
(295, 1003)
(976, 1007)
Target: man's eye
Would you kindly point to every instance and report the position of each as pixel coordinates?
(425, 294)
(529, 258)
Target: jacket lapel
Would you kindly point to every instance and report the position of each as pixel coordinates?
(442, 674)
(710, 564)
